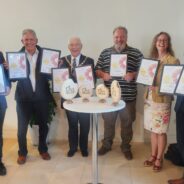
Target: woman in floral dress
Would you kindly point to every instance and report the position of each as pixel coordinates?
(157, 108)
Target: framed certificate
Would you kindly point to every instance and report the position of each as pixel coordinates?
(2, 80)
(180, 86)
(147, 71)
(85, 76)
(169, 78)
(59, 75)
(118, 65)
(50, 59)
(17, 65)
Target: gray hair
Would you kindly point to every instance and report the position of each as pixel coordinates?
(75, 38)
(25, 31)
(121, 28)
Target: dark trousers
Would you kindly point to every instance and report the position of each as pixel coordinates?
(2, 115)
(180, 131)
(84, 121)
(25, 110)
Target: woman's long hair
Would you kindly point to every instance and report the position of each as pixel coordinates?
(154, 51)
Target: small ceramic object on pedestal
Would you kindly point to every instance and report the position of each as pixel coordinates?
(69, 90)
(102, 92)
(85, 92)
(115, 92)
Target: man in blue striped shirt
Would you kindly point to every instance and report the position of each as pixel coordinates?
(128, 91)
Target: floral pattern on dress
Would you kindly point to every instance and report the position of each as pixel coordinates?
(156, 116)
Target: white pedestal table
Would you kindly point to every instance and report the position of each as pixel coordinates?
(94, 107)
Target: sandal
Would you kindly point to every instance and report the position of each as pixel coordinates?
(150, 162)
(158, 168)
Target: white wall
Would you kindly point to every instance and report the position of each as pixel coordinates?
(55, 21)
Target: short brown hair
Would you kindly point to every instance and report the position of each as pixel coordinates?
(121, 28)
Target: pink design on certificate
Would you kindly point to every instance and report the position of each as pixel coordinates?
(22, 65)
(64, 75)
(176, 75)
(88, 74)
(151, 69)
(122, 62)
(54, 59)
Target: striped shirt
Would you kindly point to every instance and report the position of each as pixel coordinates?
(134, 56)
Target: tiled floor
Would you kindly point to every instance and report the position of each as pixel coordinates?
(113, 168)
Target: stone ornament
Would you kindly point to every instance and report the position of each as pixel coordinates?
(69, 90)
(115, 92)
(102, 92)
(85, 92)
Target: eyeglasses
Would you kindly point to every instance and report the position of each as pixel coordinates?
(165, 41)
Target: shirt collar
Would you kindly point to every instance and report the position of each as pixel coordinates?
(77, 59)
(36, 52)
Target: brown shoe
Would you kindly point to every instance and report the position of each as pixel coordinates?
(103, 150)
(45, 156)
(128, 155)
(21, 160)
(176, 181)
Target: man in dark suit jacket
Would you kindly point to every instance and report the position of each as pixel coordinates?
(32, 96)
(76, 59)
(3, 106)
(179, 108)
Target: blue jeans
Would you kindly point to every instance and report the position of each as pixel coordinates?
(2, 115)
